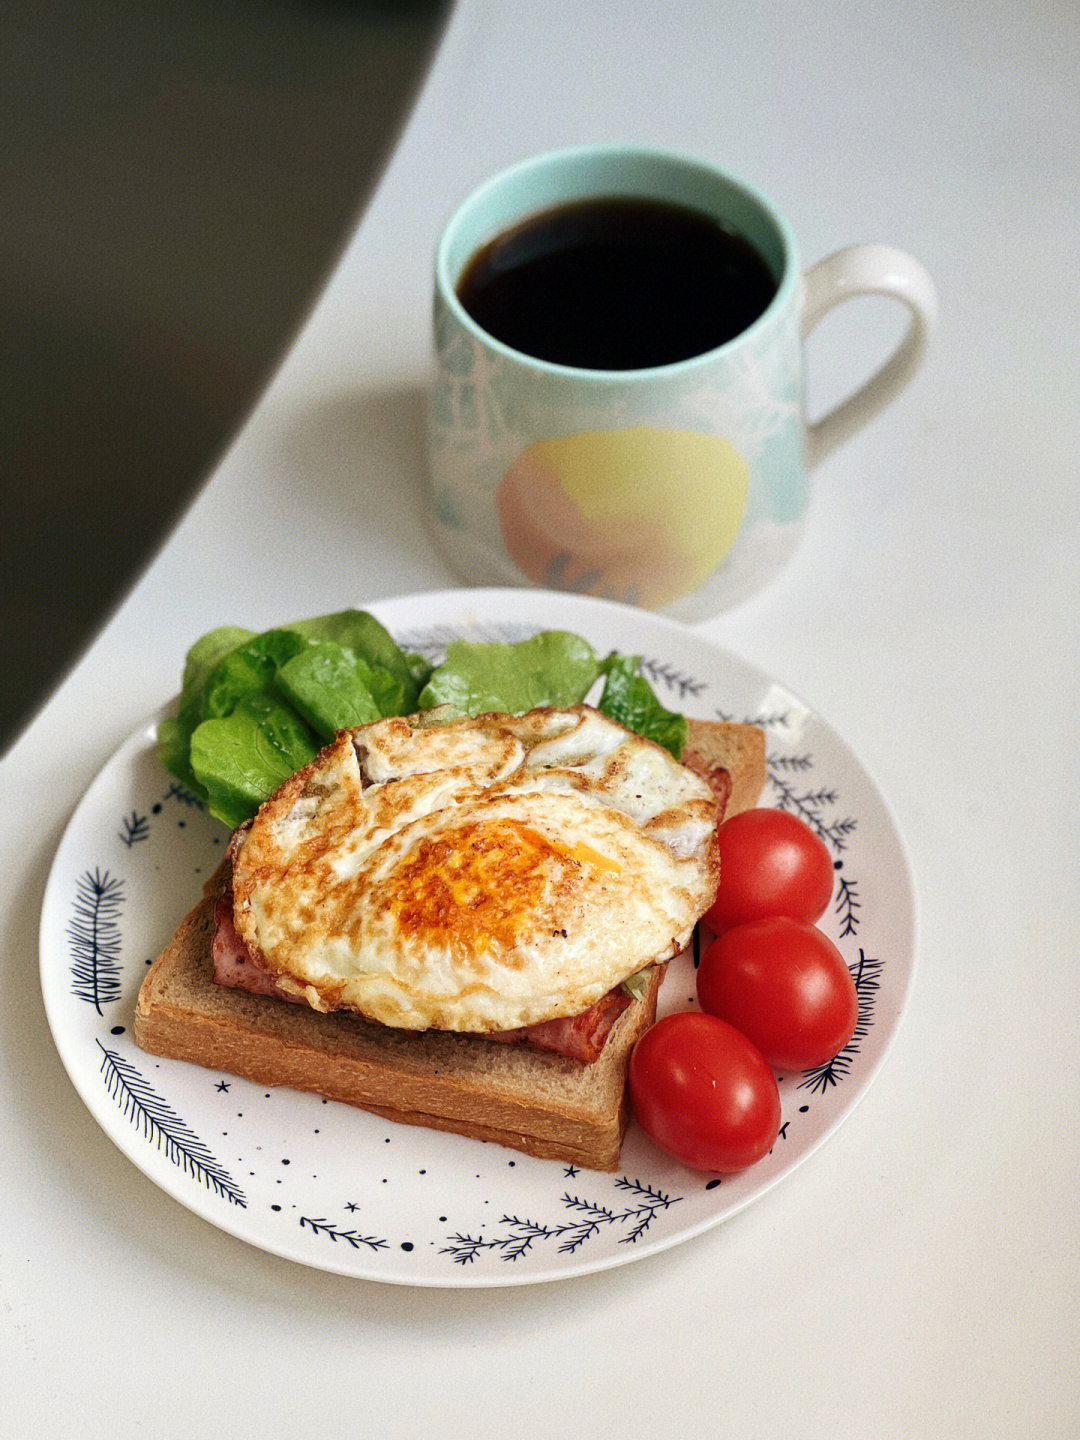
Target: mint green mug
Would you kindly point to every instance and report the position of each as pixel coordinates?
(680, 486)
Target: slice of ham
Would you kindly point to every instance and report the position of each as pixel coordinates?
(581, 1037)
(717, 777)
(235, 965)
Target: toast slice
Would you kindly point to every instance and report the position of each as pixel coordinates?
(543, 1104)
(534, 1101)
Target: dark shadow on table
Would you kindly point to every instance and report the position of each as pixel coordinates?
(178, 180)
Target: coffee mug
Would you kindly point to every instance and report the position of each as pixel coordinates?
(673, 481)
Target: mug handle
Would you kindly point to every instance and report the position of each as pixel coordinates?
(867, 270)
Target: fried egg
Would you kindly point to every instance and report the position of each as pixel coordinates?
(480, 874)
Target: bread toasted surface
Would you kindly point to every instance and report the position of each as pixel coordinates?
(543, 1104)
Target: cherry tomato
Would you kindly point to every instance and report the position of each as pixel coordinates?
(704, 1093)
(785, 985)
(770, 864)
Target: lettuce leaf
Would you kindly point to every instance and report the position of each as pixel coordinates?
(629, 698)
(370, 641)
(333, 689)
(552, 668)
(241, 758)
(288, 688)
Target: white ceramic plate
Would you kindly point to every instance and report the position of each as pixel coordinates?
(335, 1188)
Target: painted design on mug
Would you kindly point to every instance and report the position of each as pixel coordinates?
(640, 514)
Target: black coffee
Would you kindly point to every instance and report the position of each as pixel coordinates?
(616, 284)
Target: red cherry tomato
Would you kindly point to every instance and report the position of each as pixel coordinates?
(703, 1092)
(770, 864)
(785, 985)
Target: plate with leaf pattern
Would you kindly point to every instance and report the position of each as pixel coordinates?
(338, 1189)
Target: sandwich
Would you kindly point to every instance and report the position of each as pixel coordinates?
(458, 923)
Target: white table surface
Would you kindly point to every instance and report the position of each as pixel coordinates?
(919, 1275)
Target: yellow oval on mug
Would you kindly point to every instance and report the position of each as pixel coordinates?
(641, 515)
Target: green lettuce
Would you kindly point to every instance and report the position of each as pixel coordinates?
(552, 668)
(254, 708)
(241, 758)
(629, 698)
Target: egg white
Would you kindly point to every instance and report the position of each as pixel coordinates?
(478, 875)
